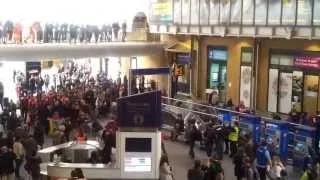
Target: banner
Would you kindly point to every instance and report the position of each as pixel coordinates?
(161, 11)
(177, 11)
(204, 12)
(141, 110)
(285, 92)
(214, 12)
(245, 85)
(195, 12)
(185, 12)
(273, 90)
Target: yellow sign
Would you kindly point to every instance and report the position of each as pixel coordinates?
(162, 11)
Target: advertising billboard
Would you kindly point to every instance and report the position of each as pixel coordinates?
(161, 11)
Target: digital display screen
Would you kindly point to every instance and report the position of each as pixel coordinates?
(141, 145)
(137, 164)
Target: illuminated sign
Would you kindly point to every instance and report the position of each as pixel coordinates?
(307, 62)
(137, 164)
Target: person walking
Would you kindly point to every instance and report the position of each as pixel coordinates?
(263, 159)
(7, 161)
(19, 152)
(165, 169)
(196, 173)
(238, 161)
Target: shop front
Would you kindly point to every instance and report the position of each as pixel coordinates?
(294, 81)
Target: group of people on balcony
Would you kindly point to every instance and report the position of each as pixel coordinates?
(58, 33)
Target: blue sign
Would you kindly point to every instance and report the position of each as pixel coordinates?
(140, 110)
(184, 58)
(218, 54)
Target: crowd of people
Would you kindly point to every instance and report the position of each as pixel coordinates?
(49, 33)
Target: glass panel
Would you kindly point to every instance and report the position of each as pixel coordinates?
(316, 12)
(223, 82)
(286, 60)
(275, 59)
(297, 86)
(311, 84)
(214, 75)
(195, 12)
(177, 11)
(224, 11)
(245, 85)
(185, 12)
(204, 11)
(247, 11)
(235, 11)
(288, 12)
(273, 90)
(304, 12)
(246, 57)
(214, 11)
(285, 92)
(261, 12)
(274, 12)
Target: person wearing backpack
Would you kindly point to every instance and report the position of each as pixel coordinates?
(263, 159)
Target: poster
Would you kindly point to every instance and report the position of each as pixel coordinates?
(194, 19)
(304, 12)
(247, 12)
(274, 12)
(297, 87)
(316, 12)
(235, 11)
(288, 12)
(285, 92)
(273, 90)
(261, 12)
(204, 12)
(214, 12)
(224, 11)
(245, 85)
(161, 11)
(177, 11)
(185, 12)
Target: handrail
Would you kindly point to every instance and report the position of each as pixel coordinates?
(221, 109)
(191, 110)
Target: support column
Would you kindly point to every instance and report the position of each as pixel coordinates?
(255, 73)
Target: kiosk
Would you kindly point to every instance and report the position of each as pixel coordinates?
(276, 134)
(138, 144)
(250, 124)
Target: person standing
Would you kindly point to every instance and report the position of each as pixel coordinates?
(263, 159)
(7, 160)
(19, 152)
(165, 169)
(238, 161)
(233, 138)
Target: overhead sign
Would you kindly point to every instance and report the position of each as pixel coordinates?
(307, 62)
(140, 110)
(161, 11)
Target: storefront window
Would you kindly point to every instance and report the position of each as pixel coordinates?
(247, 12)
(304, 12)
(194, 12)
(185, 12)
(235, 11)
(274, 12)
(204, 12)
(214, 12)
(177, 11)
(288, 12)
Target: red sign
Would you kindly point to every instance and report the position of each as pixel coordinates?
(307, 62)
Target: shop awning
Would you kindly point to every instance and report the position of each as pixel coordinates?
(178, 48)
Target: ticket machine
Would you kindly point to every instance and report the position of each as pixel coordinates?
(276, 134)
(250, 124)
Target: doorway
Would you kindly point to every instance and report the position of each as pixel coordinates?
(310, 95)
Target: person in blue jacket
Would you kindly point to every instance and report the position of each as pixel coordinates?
(263, 159)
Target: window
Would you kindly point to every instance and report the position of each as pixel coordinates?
(316, 12)
(288, 12)
(204, 11)
(274, 12)
(185, 12)
(235, 11)
(246, 57)
(214, 12)
(247, 11)
(224, 11)
(304, 12)
(177, 11)
(284, 60)
(194, 12)
(214, 75)
(261, 12)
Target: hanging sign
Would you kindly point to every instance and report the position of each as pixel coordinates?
(307, 62)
